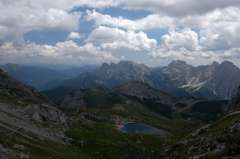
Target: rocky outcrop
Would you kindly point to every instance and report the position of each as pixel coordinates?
(27, 114)
(42, 121)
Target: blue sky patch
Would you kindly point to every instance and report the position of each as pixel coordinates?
(46, 37)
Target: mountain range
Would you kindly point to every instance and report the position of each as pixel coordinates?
(88, 122)
(43, 77)
(215, 81)
(219, 80)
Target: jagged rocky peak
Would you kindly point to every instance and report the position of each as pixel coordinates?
(123, 69)
(227, 63)
(105, 65)
(177, 63)
(177, 67)
(126, 62)
(215, 63)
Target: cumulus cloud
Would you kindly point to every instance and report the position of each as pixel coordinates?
(20, 17)
(179, 7)
(222, 31)
(185, 39)
(149, 22)
(216, 30)
(74, 35)
(114, 39)
(67, 51)
(190, 30)
(171, 7)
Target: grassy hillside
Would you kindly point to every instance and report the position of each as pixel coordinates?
(218, 140)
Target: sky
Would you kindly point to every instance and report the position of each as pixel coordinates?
(154, 32)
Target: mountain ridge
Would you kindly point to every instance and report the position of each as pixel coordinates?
(178, 78)
(218, 79)
(42, 77)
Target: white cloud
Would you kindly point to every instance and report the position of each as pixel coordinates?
(222, 31)
(212, 33)
(74, 35)
(20, 17)
(61, 52)
(114, 39)
(170, 7)
(185, 39)
(179, 7)
(149, 22)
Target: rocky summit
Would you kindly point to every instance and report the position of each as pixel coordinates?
(215, 81)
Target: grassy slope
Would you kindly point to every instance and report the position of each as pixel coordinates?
(99, 138)
(18, 145)
(220, 139)
(103, 141)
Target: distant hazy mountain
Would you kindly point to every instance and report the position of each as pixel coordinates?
(14, 91)
(215, 80)
(42, 77)
(218, 80)
(178, 78)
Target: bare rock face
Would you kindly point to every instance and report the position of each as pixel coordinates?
(217, 80)
(27, 113)
(43, 121)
